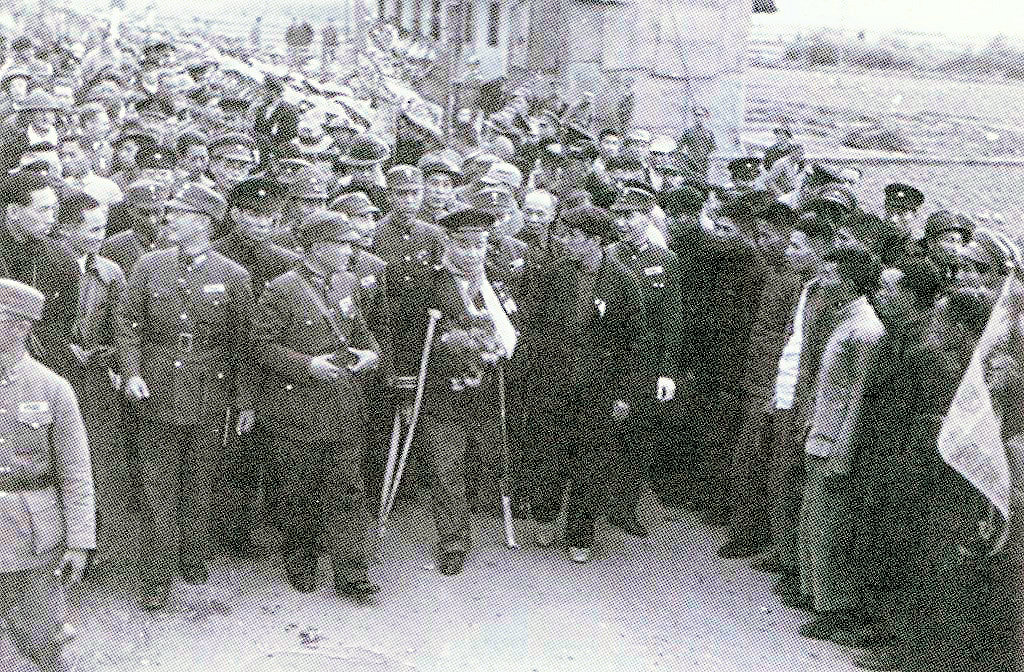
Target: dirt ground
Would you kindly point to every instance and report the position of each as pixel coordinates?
(664, 603)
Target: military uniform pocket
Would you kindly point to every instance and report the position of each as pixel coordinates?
(46, 518)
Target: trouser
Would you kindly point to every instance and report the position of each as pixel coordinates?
(632, 461)
(447, 440)
(720, 449)
(675, 452)
(748, 487)
(826, 538)
(322, 492)
(34, 607)
(785, 486)
(101, 413)
(571, 446)
(237, 481)
(177, 464)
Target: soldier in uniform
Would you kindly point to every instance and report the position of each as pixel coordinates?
(313, 342)
(305, 193)
(46, 491)
(254, 206)
(657, 272)
(402, 239)
(28, 255)
(143, 211)
(588, 331)
(233, 157)
(460, 410)
(81, 223)
(183, 333)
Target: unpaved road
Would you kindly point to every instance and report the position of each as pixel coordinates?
(664, 603)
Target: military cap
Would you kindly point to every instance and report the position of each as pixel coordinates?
(471, 219)
(147, 194)
(820, 175)
(634, 198)
(195, 197)
(156, 157)
(834, 194)
(903, 196)
(257, 194)
(135, 133)
(155, 106)
(553, 154)
(37, 100)
(420, 117)
(308, 184)
(354, 204)
(625, 161)
(591, 220)
(746, 168)
(21, 300)
(237, 146)
(663, 144)
(328, 226)
(290, 165)
(312, 140)
(683, 200)
(364, 150)
(234, 103)
(440, 162)
(404, 177)
(501, 172)
(942, 221)
(494, 198)
(577, 136)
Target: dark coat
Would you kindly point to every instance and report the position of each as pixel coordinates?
(192, 379)
(125, 248)
(263, 261)
(771, 329)
(291, 329)
(50, 267)
(280, 128)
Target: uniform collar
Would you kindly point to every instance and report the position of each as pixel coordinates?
(15, 371)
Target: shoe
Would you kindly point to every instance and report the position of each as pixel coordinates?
(734, 549)
(789, 584)
(769, 564)
(301, 573)
(715, 518)
(883, 659)
(579, 554)
(797, 601)
(451, 563)
(360, 590)
(195, 574)
(864, 635)
(630, 525)
(155, 596)
(545, 534)
(826, 626)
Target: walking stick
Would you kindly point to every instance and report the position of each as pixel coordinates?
(506, 466)
(389, 470)
(435, 316)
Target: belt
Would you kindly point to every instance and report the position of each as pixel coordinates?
(185, 341)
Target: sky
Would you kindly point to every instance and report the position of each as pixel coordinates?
(967, 17)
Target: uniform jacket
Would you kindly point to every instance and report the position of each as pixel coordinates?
(505, 265)
(46, 490)
(291, 328)
(408, 248)
(372, 295)
(125, 248)
(264, 261)
(772, 328)
(657, 272)
(185, 327)
(588, 345)
(48, 266)
(848, 360)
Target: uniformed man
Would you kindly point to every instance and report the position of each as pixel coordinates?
(305, 193)
(944, 235)
(46, 491)
(900, 207)
(440, 174)
(232, 159)
(254, 208)
(29, 255)
(656, 270)
(184, 336)
(460, 409)
(590, 341)
(313, 342)
(81, 224)
(143, 230)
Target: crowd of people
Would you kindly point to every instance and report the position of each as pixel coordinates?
(231, 305)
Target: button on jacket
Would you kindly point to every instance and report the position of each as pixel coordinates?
(185, 326)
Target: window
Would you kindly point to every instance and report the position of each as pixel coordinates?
(492, 25)
(435, 19)
(469, 38)
(417, 16)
